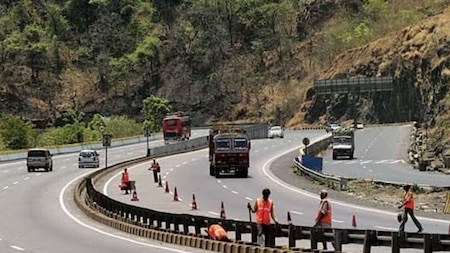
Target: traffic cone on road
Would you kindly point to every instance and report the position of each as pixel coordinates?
(354, 221)
(222, 212)
(167, 188)
(194, 203)
(175, 195)
(134, 197)
(289, 218)
(160, 182)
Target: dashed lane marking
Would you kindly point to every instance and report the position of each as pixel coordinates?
(178, 165)
(248, 198)
(17, 248)
(298, 213)
(224, 186)
(235, 192)
(6, 187)
(193, 159)
(213, 213)
(171, 169)
(184, 162)
(16, 182)
(26, 178)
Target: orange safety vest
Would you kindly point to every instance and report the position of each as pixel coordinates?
(216, 232)
(410, 203)
(263, 211)
(327, 218)
(125, 177)
(154, 166)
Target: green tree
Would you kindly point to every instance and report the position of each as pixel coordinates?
(75, 127)
(15, 132)
(154, 109)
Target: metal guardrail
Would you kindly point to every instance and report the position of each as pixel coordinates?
(142, 221)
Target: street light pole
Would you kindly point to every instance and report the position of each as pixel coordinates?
(147, 134)
(105, 143)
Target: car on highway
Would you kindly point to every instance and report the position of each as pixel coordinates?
(88, 158)
(359, 125)
(331, 127)
(38, 158)
(276, 131)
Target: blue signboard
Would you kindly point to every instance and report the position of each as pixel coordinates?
(311, 162)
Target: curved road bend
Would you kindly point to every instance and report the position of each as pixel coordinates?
(380, 154)
(189, 173)
(38, 213)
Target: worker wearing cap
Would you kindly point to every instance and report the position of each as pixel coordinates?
(323, 217)
(264, 210)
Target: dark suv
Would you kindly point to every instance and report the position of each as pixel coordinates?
(39, 158)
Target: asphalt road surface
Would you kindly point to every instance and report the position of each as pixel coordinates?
(380, 154)
(190, 174)
(38, 214)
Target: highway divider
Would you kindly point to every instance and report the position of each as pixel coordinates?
(175, 228)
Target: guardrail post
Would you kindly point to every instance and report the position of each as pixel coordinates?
(238, 232)
(186, 226)
(338, 238)
(368, 240)
(291, 235)
(176, 223)
(254, 233)
(395, 242)
(272, 236)
(168, 219)
(197, 226)
(427, 243)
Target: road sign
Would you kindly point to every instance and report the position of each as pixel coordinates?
(106, 140)
(305, 141)
(447, 205)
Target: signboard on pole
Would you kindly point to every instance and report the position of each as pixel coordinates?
(107, 140)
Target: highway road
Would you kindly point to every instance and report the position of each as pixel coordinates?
(38, 214)
(380, 154)
(189, 173)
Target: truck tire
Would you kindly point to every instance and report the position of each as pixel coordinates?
(334, 157)
(211, 170)
(217, 172)
(244, 173)
(29, 169)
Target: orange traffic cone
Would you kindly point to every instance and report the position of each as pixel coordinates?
(134, 196)
(354, 221)
(222, 212)
(175, 195)
(194, 203)
(160, 182)
(289, 218)
(167, 187)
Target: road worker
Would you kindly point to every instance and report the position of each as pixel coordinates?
(408, 209)
(126, 180)
(264, 210)
(155, 168)
(217, 232)
(324, 216)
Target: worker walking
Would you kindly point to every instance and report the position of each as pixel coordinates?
(264, 210)
(217, 232)
(324, 215)
(155, 168)
(126, 181)
(408, 209)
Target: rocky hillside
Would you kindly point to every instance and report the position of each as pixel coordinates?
(226, 60)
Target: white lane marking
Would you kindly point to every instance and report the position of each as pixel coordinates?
(298, 213)
(164, 177)
(16, 182)
(171, 169)
(38, 174)
(382, 161)
(370, 171)
(178, 165)
(26, 178)
(213, 213)
(395, 161)
(184, 162)
(6, 187)
(224, 186)
(218, 181)
(235, 192)
(256, 151)
(168, 172)
(193, 159)
(385, 228)
(66, 211)
(277, 181)
(17, 248)
(248, 198)
(337, 221)
(352, 162)
(368, 161)
(337, 162)
(63, 167)
(1, 239)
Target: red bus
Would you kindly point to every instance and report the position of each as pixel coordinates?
(176, 127)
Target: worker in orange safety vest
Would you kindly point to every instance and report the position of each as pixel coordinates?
(217, 232)
(155, 168)
(324, 216)
(126, 180)
(264, 210)
(408, 209)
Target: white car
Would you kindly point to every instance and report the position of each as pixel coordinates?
(332, 127)
(88, 158)
(276, 131)
(359, 125)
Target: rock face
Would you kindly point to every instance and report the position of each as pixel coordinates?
(418, 58)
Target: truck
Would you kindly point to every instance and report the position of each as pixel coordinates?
(229, 151)
(176, 127)
(343, 142)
